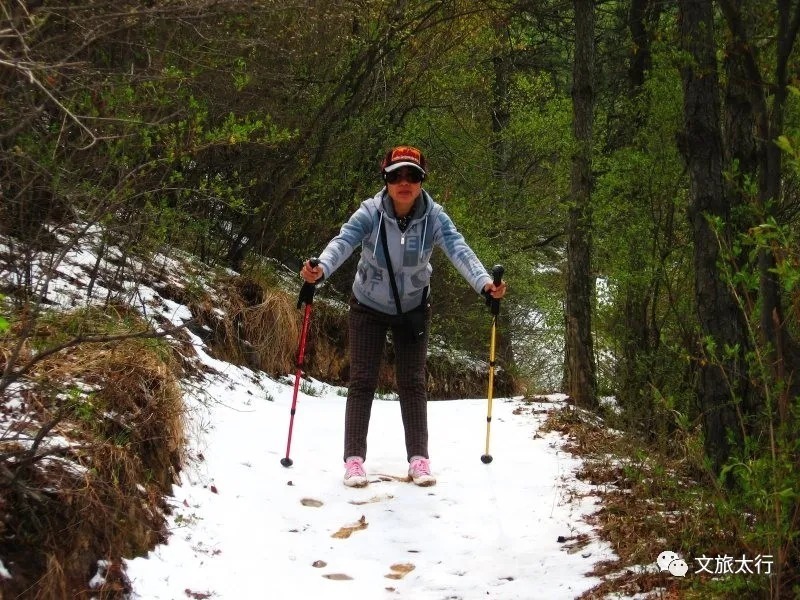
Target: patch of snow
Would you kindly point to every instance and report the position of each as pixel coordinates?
(4, 572)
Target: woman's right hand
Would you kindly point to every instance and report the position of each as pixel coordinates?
(311, 274)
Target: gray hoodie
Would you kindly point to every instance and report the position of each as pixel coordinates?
(410, 252)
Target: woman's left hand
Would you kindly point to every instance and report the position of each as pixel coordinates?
(495, 291)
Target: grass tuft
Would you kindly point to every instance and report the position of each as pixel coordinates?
(110, 418)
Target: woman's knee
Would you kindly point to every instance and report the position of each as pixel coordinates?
(414, 384)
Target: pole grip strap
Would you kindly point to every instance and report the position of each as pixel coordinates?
(307, 290)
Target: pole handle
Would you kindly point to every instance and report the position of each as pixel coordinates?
(497, 274)
(497, 278)
(307, 290)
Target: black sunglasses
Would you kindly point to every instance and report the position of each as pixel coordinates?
(410, 175)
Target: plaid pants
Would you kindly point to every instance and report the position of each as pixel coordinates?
(367, 329)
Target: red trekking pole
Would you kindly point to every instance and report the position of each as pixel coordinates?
(307, 297)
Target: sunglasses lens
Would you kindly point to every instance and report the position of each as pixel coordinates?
(410, 175)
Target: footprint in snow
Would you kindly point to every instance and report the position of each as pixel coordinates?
(338, 576)
(380, 498)
(386, 477)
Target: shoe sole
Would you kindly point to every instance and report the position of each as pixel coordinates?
(424, 482)
(356, 483)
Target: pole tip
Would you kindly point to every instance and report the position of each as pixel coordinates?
(286, 462)
(486, 459)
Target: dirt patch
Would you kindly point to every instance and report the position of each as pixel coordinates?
(648, 503)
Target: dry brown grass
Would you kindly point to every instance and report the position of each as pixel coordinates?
(53, 583)
(272, 329)
(102, 497)
(328, 339)
(251, 326)
(649, 503)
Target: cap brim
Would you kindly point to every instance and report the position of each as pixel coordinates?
(398, 165)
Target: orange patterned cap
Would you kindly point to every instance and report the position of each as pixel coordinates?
(403, 156)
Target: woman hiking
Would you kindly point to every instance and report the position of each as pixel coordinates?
(397, 230)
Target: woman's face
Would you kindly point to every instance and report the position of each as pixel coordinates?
(404, 185)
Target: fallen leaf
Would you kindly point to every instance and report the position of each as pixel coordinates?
(337, 576)
(347, 530)
(400, 570)
(311, 502)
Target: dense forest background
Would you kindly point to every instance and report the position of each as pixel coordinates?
(633, 164)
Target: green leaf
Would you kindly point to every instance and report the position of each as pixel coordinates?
(785, 144)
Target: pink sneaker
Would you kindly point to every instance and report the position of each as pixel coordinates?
(419, 469)
(354, 474)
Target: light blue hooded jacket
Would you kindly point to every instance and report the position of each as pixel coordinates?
(410, 252)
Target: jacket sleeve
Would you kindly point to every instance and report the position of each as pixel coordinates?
(459, 253)
(352, 233)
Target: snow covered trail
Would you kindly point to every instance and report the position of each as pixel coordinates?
(246, 527)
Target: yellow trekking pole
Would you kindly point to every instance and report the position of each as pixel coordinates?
(494, 305)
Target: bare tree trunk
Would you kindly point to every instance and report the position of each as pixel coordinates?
(752, 126)
(501, 116)
(722, 378)
(786, 357)
(637, 337)
(579, 351)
